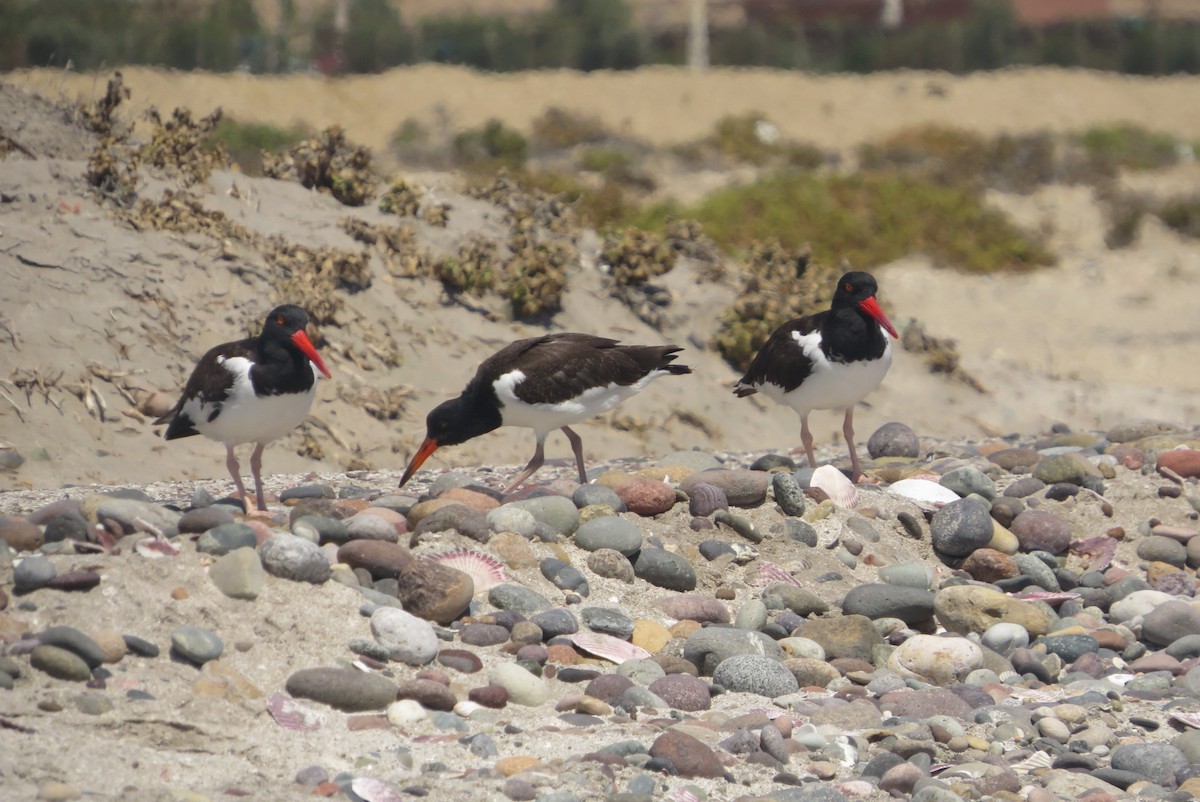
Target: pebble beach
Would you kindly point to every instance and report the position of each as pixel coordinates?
(1009, 619)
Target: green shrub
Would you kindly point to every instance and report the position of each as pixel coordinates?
(246, 142)
(1182, 215)
(491, 146)
(1130, 146)
(558, 128)
(870, 219)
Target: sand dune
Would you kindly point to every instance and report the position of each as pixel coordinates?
(664, 105)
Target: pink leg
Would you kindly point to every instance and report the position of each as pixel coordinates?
(856, 473)
(256, 470)
(235, 470)
(535, 463)
(807, 438)
(577, 446)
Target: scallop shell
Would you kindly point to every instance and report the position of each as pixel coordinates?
(769, 572)
(1046, 596)
(156, 548)
(841, 491)
(485, 570)
(1190, 719)
(289, 713)
(705, 499)
(373, 790)
(926, 493)
(1038, 760)
(608, 647)
(681, 795)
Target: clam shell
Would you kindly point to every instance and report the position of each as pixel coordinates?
(926, 493)
(1046, 596)
(1190, 719)
(156, 548)
(608, 647)
(841, 490)
(373, 790)
(485, 570)
(706, 499)
(1038, 760)
(769, 572)
(289, 713)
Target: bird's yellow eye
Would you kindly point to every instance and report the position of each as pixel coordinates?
(279, 319)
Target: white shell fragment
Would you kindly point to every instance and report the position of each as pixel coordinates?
(927, 494)
(608, 647)
(837, 486)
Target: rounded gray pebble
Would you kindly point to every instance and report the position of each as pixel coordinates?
(665, 569)
(961, 526)
(788, 494)
(32, 573)
(225, 538)
(748, 673)
(197, 645)
(609, 532)
(294, 558)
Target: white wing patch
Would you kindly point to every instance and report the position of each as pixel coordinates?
(545, 418)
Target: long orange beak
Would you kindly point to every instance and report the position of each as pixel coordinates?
(304, 344)
(871, 307)
(428, 447)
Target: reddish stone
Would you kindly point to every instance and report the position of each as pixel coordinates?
(355, 723)
(75, 580)
(382, 559)
(434, 591)
(495, 696)
(431, 695)
(1128, 455)
(647, 497)
(1183, 461)
(689, 756)
(989, 565)
(471, 498)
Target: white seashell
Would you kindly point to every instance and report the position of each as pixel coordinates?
(485, 570)
(405, 713)
(373, 790)
(1190, 719)
(1038, 760)
(156, 548)
(466, 708)
(927, 494)
(769, 572)
(841, 490)
(608, 647)
(289, 713)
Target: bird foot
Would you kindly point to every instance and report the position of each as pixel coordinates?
(864, 479)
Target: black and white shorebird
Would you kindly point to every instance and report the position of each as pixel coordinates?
(830, 360)
(545, 383)
(251, 391)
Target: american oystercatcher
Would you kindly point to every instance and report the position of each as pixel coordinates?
(251, 391)
(545, 383)
(829, 360)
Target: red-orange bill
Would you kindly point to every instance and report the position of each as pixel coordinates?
(304, 344)
(871, 307)
(428, 447)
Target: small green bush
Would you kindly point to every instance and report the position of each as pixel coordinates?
(491, 146)
(246, 142)
(557, 128)
(870, 219)
(1130, 146)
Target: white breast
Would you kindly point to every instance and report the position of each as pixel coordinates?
(245, 417)
(831, 385)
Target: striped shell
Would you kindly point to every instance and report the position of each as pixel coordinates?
(769, 572)
(706, 499)
(1038, 760)
(370, 789)
(289, 713)
(841, 490)
(608, 647)
(485, 570)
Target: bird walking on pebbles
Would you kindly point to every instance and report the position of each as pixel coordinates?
(545, 383)
(251, 391)
(830, 360)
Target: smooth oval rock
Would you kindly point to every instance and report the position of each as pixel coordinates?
(344, 689)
